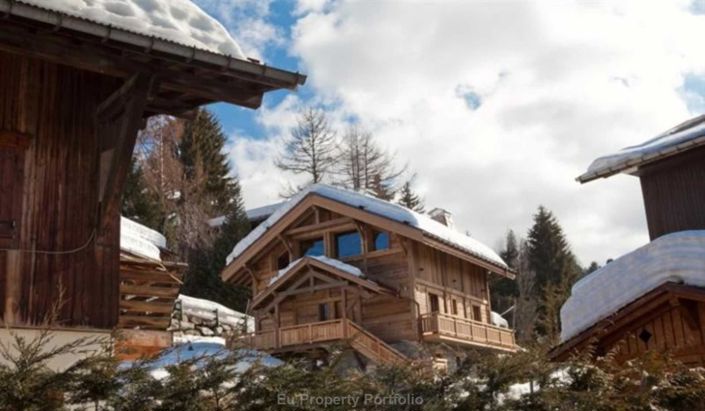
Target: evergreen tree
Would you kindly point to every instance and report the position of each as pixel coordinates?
(205, 263)
(591, 268)
(409, 199)
(311, 148)
(201, 153)
(504, 291)
(555, 268)
(138, 202)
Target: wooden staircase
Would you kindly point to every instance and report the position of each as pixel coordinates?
(372, 347)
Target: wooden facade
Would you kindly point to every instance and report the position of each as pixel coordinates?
(409, 289)
(73, 95)
(670, 319)
(674, 193)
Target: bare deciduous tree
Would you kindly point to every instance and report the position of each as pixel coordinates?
(311, 148)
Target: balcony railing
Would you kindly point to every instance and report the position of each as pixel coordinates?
(467, 330)
(297, 335)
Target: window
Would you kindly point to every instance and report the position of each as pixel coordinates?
(433, 300)
(476, 313)
(283, 261)
(348, 244)
(454, 306)
(312, 247)
(380, 240)
(323, 312)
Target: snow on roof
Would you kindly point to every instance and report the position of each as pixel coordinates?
(379, 207)
(179, 21)
(347, 268)
(677, 257)
(140, 240)
(206, 310)
(687, 135)
(498, 320)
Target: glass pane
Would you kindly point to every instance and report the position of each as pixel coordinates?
(381, 241)
(312, 247)
(348, 244)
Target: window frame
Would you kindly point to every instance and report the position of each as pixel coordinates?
(336, 251)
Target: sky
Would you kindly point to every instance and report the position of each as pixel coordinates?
(496, 105)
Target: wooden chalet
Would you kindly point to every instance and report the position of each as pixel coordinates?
(654, 297)
(334, 266)
(74, 92)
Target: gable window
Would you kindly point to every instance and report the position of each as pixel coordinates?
(313, 247)
(348, 244)
(380, 240)
(325, 313)
(433, 302)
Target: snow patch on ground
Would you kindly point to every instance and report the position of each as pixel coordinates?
(690, 133)
(381, 208)
(140, 240)
(677, 257)
(179, 21)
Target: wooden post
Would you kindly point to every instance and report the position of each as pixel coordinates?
(13, 291)
(277, 334)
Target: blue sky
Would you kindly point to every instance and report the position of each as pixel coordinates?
(497, 105)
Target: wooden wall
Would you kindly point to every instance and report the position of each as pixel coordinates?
(54, 107)
(674, 193)
(679, 330)
(450, 278)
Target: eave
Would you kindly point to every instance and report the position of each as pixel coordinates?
(188, 77)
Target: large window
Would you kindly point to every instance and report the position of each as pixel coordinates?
(348, 244)
(312, 247)
(380, 240)
(433, 300)
(476, 313)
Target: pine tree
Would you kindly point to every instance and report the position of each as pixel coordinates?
(311, 148)
(594, 266)
(138, 202)
(504, 291)
(201, 153)
(555, 267)
(409, 199)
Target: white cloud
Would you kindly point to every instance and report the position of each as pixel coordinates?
(560, 83)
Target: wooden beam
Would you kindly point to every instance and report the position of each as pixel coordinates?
(127, 124)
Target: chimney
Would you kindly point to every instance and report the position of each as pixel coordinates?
(442, 216)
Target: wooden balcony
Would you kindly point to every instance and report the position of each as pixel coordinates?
(441, 327)
(299, 336)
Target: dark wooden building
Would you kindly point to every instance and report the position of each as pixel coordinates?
(655, 294)
(73, 94)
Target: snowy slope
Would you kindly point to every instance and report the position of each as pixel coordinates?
(140, 240)
(347, 268)
(687, 135)
(179, 21)
(381, 208)
(677, 257)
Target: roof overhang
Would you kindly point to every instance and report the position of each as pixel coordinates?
(187, 77)
(305, 265)
(236, 272)
(643, 306)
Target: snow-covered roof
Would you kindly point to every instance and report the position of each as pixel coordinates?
(253, 214)
(206, 310)
(378, 207)
(140, 240)
(676, 257)
(347, 268)
(178, 21)
(685, 136)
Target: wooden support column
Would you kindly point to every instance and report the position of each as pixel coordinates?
(277, 322)
(119, 117)
(13, 291)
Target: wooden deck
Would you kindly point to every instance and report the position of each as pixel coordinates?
(441, 327)
(326, 331)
